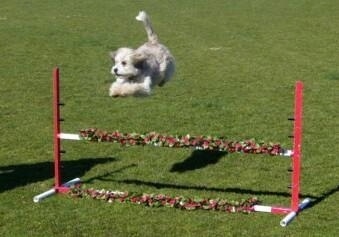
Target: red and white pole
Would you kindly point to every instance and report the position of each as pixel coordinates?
(297, 140)
(296, 207)
(57, 136)
(56, 127)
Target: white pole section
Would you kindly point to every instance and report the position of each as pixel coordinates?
(69, 136)
(290, 216)
(52, 191)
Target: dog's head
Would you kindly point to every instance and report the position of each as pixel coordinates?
(127, 63)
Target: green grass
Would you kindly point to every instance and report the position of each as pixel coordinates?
(237, 62)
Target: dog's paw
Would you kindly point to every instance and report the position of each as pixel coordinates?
(113, 91)
(147, 81)
(113, 94)
(141, 16)
(116, 94)
(147, 84)
(162, 83)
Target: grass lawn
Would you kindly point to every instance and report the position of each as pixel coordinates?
(237, 62)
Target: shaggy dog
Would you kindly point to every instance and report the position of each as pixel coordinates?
(137, 71)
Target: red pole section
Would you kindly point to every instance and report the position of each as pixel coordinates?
(297, 140)
(56, 128)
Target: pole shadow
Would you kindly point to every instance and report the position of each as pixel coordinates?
(13, 176)
(104, 177)
(324, 196)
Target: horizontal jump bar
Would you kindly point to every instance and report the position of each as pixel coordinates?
(287, 153)
(77, 137)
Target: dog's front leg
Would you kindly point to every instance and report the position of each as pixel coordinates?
(147, 84)
(115, 89)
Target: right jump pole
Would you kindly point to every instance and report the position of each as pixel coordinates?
(295, 206)
(297, 139)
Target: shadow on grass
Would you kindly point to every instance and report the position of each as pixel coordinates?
(104, 176)
(14, 176)
(214, 189)
(324, 196)
(199, 159)
(315, 200)
(334, 75)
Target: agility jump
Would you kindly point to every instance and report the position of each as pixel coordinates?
(201, 143)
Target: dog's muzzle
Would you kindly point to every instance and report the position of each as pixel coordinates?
(115, 71)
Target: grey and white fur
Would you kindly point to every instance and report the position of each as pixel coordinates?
(137, 71)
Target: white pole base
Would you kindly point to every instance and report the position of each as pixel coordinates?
(290, 216)
(40, 197)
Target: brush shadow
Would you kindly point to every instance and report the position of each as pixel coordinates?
(213, 189)
(13, 176)
(198, 160)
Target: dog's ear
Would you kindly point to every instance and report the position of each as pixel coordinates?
(138, 57)
(112, 54)
(138, 60)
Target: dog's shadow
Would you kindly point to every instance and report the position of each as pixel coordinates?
(198, 159)
(13, 176)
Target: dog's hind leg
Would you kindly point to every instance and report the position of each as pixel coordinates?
(167, 72)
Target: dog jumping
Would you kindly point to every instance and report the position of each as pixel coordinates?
(139, 70)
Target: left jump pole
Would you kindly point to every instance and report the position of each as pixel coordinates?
(58, 186)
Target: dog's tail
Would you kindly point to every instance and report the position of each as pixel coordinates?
(145, 19)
